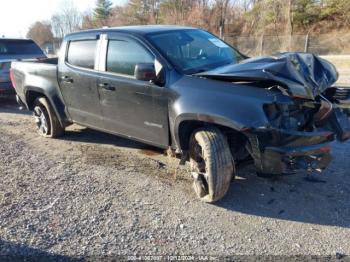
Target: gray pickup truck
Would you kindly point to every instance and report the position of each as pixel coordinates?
(185, 89)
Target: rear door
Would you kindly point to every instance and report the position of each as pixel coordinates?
(78, 80)
(131, 107)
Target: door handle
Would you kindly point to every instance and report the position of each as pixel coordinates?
(67, 79)
(107, 86)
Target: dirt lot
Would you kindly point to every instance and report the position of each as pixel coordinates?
(92, 194)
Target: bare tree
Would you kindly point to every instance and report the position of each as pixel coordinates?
(67, 20)
(224, 17)
(41, 33)
(222, 6)
(289, 15)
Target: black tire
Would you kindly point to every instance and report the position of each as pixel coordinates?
(212, 164)
(46, 119)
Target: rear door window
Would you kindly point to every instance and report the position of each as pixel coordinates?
(82, 53)
(124, 55)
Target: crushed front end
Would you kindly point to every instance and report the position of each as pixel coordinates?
(285, 152)
(301, 122)
(299, 133)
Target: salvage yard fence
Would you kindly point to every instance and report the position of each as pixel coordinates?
(324, 44)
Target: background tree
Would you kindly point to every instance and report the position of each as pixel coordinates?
(67, 20)
(289, 23)
(222, 6)
(41, 33)
(102, 12)
(336, 11)
(231, 17)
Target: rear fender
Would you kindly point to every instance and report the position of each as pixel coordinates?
(32, 93)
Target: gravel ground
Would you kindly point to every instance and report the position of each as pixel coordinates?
(92, 194)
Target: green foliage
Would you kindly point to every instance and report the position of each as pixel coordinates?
(336, 9)
(103, 9)
(306, 12)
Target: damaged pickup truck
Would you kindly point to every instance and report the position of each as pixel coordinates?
(185, 89)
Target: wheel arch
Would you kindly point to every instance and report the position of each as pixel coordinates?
(185, 126)
(32, 93)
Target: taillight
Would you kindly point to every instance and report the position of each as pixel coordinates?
(12, 77)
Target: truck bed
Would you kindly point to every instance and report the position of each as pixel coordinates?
(42, 75)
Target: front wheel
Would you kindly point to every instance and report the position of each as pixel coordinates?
(212, 164)
(46, 119)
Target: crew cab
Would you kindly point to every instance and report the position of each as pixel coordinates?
(183, 88)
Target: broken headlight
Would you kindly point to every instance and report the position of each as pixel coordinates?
(288, 116)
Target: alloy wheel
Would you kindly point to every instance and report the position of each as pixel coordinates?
(41, 120)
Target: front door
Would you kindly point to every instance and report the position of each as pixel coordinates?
(133, 108)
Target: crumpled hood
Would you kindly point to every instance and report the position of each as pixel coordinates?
(305, 75)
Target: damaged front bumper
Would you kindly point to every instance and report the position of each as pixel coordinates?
(285, 152)
(281, 149)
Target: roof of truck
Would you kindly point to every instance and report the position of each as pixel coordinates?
(141, 29)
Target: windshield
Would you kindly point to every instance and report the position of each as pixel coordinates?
(194, 51)
(19, 47)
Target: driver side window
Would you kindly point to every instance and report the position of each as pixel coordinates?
(123, 56)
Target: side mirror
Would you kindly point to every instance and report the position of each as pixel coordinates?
(145, 72)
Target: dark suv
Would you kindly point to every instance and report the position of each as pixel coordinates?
(14, 50)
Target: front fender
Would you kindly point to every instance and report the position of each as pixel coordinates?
(214, 102)
(203, 118)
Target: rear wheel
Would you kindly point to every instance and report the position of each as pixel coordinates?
(46, 119)
(212, 164)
